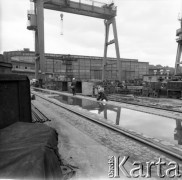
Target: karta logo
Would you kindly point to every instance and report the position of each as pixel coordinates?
(117, 166)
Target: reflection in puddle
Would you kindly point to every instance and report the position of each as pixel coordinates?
(178, 132)
(159, 127)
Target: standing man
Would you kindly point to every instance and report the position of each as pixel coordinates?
(73, 86)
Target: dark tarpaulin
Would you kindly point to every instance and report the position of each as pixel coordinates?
(29, 151)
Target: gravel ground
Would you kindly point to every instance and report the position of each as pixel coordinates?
(87, 146)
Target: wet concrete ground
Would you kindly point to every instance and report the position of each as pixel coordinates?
(87, 145)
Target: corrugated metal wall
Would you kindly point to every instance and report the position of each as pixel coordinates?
(86, 68)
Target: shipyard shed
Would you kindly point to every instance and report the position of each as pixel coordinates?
(84, 68)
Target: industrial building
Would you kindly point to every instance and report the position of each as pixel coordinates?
(84, 68)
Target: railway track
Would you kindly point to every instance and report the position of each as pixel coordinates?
(155, 145)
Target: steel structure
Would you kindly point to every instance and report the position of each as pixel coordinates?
(179, 49)
(81, 7)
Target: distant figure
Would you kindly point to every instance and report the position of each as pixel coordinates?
(101, 94)
(73, 86)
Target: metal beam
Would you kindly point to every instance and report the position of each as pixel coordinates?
(117, 49)
(179, 49)
(37, 58)
(115, 41)
(178, 57)
(104, 12)
(111, 42)
(40, 36)
(105, 49)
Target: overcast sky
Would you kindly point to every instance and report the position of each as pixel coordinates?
(146, 30)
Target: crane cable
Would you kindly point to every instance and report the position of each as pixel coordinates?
(61, 15)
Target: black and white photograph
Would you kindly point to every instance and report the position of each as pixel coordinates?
(90, 89)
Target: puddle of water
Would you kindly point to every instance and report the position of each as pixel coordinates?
(159, 127)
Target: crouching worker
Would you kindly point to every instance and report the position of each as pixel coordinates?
(101, 95)
(73, 86)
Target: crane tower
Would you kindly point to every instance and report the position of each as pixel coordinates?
(81, 7)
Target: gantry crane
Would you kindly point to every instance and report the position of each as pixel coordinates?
(80, 7)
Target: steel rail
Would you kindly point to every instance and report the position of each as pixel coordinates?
(154, 107)
(117, 129)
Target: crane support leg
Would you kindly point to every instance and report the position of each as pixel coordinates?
(178, 57)
(107, 25)
(115, 40)
(37, 60)
(117, 49)
(39, 39)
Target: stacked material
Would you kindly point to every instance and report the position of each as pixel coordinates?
(38, 116)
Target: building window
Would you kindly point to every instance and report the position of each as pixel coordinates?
(16, 66)
(25, 67)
